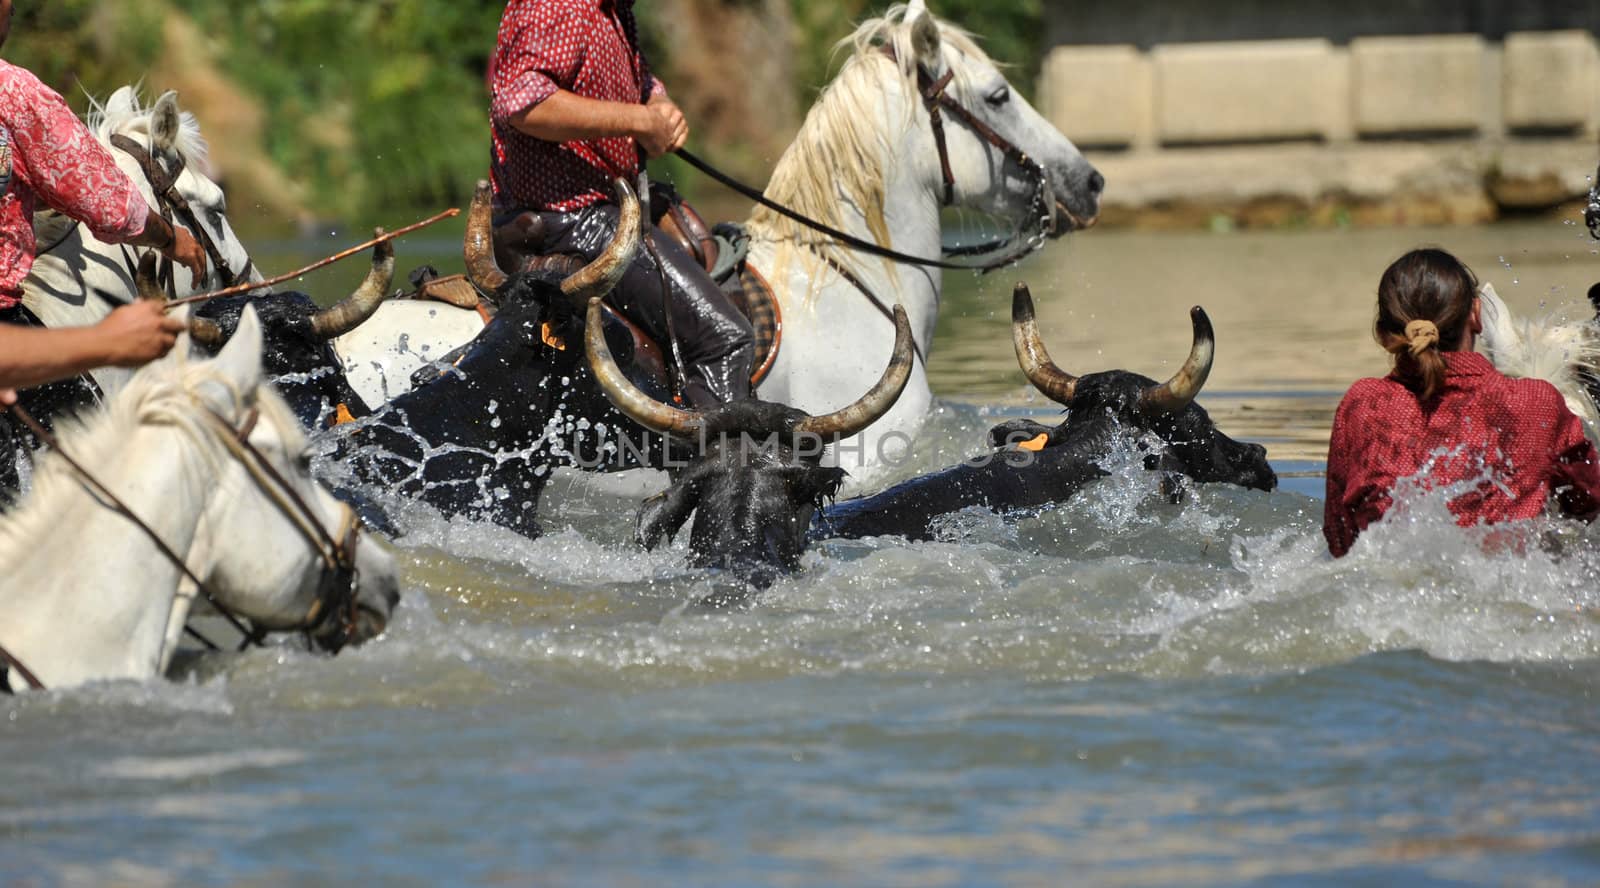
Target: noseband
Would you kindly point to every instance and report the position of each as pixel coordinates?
(336, 588)
(171, 202)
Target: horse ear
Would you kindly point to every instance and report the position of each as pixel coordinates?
(240, 359)
(925, 40)
(916, 8)
(165, 122)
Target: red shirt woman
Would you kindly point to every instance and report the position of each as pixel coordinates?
(1446, 416)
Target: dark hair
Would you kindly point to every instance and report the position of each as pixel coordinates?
(1424, 285)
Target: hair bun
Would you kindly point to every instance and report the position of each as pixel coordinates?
(1421, 335)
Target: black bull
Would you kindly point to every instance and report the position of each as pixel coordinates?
(1103, 409)
(481, 438)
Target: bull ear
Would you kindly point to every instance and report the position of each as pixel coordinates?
(925, 40)
(165, 122)
(661, 515)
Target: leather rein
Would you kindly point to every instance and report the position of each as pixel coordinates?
(336, 589)
(171, 202)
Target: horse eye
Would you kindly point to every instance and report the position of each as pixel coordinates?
(999, 97)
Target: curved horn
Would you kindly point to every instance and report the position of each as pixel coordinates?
(144, 280)
(206, 332)
(1054, 383)
(601, 276)
(636, 405)
(358, 306)
(1179, 391)
(478, 248)
(877, 401)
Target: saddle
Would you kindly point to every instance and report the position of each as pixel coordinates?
(722, 251)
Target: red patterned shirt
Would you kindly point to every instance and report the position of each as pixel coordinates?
(586, 47)
(1515, 438)
(53, 159)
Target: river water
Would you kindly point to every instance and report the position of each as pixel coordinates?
(1116, 690)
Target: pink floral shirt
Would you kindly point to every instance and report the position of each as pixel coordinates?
(49, 157)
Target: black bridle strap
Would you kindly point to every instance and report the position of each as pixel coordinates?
(931, 95)
(849, 240)
(871, 298)
(164, 183)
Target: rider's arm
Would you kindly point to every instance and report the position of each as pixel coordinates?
(565, 117)
(129, 336)
(538, 59)
(66, 166)
(73, 173)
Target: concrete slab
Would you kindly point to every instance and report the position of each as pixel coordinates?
(1419, 85)
(1550, 80)
(1247, 91)
(1100, 96)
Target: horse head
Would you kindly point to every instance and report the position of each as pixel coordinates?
(1004, 158)
(280, 548)
(162, 151)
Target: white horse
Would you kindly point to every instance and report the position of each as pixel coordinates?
(78, 279)
(865, 162)
(1564, 353)
(88, 597)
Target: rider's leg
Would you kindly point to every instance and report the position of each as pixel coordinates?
(716, 341)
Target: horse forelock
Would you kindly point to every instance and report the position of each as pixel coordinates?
(166, 393)
(124, 113)
(843, 144)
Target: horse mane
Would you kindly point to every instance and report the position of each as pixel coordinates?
(843, 145)
(162, 393)
(124, 113)
(1558, 351)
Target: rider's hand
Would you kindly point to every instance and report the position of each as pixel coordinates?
(186, 251)
(668, 130)
(138, 333)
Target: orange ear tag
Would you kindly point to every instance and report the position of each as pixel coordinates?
(341, 415)
(1035, 444)
(551, 339)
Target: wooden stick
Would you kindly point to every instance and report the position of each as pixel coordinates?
(345, 254)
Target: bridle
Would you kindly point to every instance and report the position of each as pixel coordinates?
(335, 598)
(937, 100)
(171, 202)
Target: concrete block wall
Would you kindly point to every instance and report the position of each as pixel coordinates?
(1242, 92)
(1447, 86)
(1552, 81)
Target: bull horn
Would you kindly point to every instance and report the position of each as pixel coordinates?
(478, 249)
(877, 401)
(601, 276)
(1180, 391)
(354, 309)
(206, 332)
(144, 280)
(1054, 383)
(636, 405)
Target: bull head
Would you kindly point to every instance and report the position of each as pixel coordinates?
(756, 477)
(1060, 386)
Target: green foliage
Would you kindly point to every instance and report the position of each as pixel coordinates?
(380, 104)
(71, 44)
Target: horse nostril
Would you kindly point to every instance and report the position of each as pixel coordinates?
(1097, 182)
